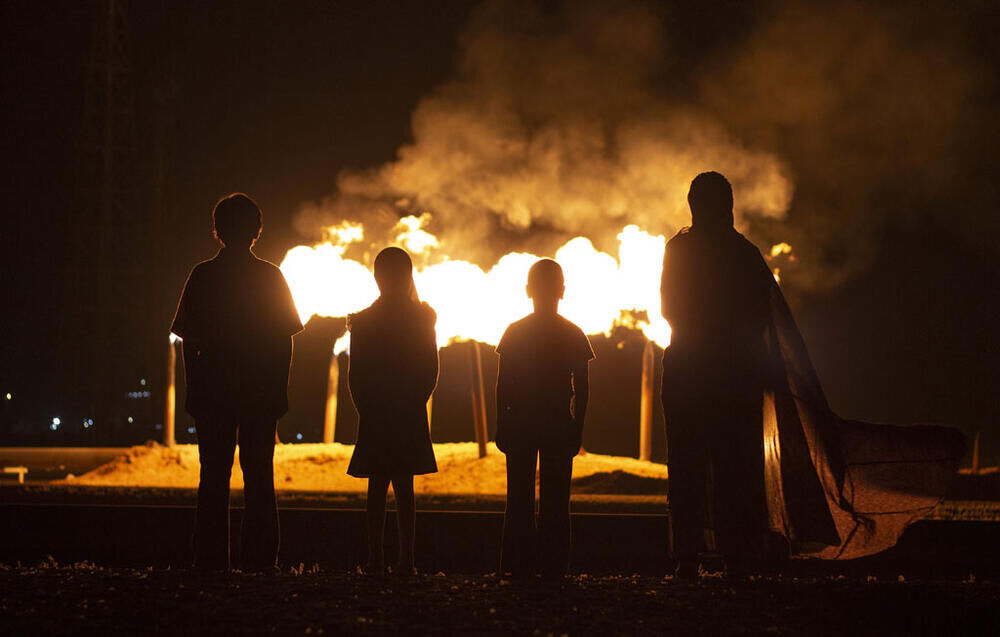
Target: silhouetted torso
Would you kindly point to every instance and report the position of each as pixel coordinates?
(236, 317)
(716, 301)
(394, 366)
(539, 354)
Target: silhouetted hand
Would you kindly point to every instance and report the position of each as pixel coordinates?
(576, 441)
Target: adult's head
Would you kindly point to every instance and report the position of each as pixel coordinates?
(711, 201)
(237, 220)
(545, 284)
(394, 274)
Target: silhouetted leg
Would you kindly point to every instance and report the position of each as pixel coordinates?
(259, 536)
(406, 511)
(377, 489)
(554, 536)
(216, 446)
(740, 502)
(687, 491)
(517, 554)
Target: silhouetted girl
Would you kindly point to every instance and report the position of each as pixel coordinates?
(394, 368)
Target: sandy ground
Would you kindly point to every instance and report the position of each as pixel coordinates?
(323, 467)
(54, 600)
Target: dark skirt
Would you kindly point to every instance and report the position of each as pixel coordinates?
(393, 441)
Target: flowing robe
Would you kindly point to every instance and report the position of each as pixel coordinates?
(835, 488)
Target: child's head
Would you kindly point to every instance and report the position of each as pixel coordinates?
(545, 285)
(237, 220)
(394, 274)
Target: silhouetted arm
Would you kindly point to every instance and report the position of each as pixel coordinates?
(430, 362)
(664, 284)
(503, 404)
(359, 374)
(581, 396)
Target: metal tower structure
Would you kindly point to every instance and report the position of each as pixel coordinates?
(108, 229)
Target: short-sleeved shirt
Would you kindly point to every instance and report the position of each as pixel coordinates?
(237, 317)
(538, 355)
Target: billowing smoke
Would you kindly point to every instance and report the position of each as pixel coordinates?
(562, 121)
(554, 127)
(875, 109)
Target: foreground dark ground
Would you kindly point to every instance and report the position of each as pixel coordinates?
(84, 599)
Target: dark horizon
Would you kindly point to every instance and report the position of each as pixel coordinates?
(277, 101)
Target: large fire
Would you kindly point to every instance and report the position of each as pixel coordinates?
(602, 291)
(472, 304)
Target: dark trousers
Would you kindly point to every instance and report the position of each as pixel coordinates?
(716, 486)
(217, 438)
(526, 549)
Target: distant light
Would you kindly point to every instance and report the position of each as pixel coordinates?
(56, 421)
(130, 420)
(88, 423)
(142, 381)
(190, 430)
(298, 436)
(159, 426)
(10, 396)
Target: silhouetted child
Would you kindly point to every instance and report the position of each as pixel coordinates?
(394, 368)
(237, 319)
(543, 372)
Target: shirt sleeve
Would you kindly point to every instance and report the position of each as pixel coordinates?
(581, 351)
(288, 316)
(504, 343)
(183, 323)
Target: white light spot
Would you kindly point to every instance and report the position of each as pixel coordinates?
(298, 436)
(130, 419)
(56, 421)
(10, 396)
(142, 381)
(190, 430)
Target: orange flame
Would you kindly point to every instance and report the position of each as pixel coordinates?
(472, 304)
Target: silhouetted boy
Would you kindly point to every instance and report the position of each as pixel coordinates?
(543, 369)
(715, 297)
(237, 319)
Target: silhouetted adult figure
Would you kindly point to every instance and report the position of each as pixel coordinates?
(752, 443)
(543, 384)
(237, 318)
(394, 369)
(716, 302)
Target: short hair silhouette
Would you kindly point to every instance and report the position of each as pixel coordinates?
(711, 201)
(237, 220)
(545, 279)
(394, 272)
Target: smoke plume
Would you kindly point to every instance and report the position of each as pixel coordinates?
(561, 122)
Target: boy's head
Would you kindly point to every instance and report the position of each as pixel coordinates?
(237, 221)
(545, 285)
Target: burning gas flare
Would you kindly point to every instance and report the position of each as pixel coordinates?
(472, 304)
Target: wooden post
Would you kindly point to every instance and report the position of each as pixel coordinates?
(332, 387)
(170, 409)
(646, 402)
(975, 453)
(478, 397)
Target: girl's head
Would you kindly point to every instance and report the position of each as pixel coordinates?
(394, 274)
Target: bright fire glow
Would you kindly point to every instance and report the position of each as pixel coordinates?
(780, 248)
(472, 304)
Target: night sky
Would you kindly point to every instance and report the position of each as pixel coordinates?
(892, 157)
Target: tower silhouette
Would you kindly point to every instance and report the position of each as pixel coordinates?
(105, 285)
